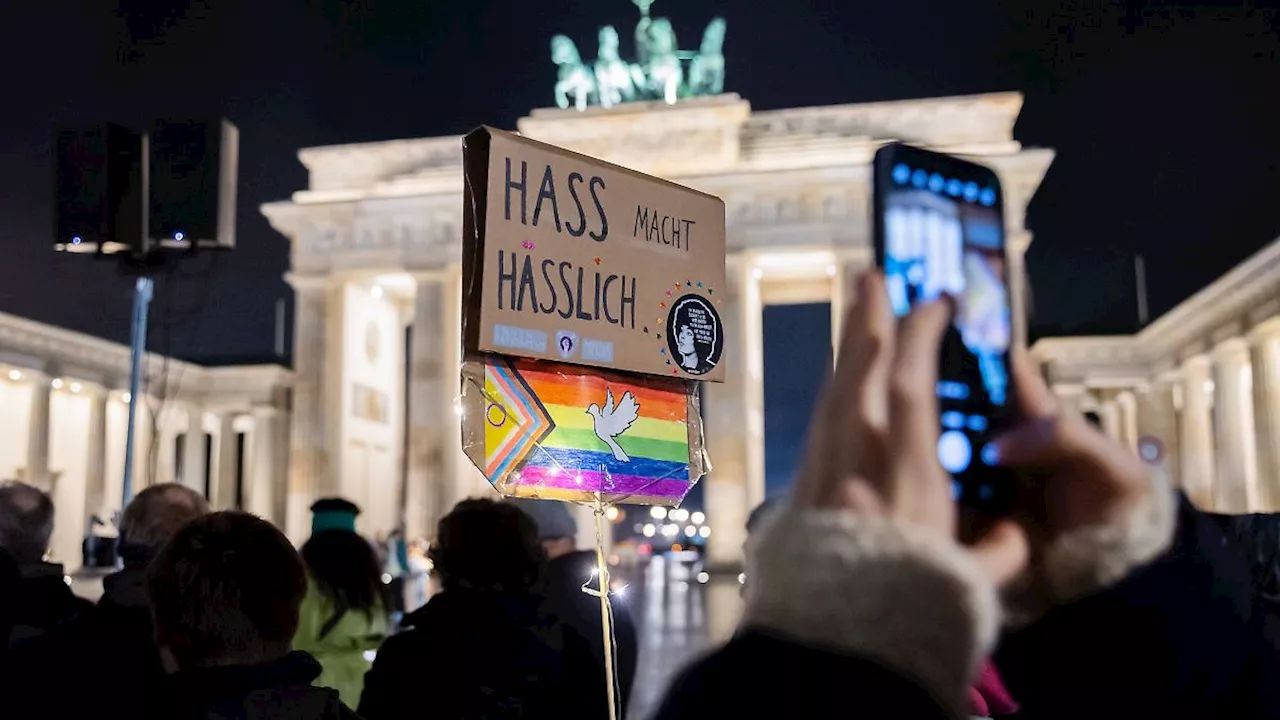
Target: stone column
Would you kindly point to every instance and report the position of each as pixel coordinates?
(1265, 359)
(1109, 413)
(733, 420)
(1233, 413)
(1127, 404)
(844, 278)
(194, 462)
(1158, 418)
(226, 466)
(262, 473)
(429, 397)
(95, 476)
(37, 469)
(1196, 442)
(308, 441)
(1071, 397)
(1017, 242)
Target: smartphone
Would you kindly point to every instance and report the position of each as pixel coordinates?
(939, 230)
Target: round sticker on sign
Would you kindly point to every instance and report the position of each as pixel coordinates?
(1150, 450)
(694, 337)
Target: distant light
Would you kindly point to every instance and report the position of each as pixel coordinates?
(67, 579)
(703, 577)
(657, 513)
(698, 517)
(649, 530)
(742, 578)
(76, 240)
(757, 273)
(376, 291)
(386, 578)
(670, 530)
(457, 408)
(831, 270)
(126, 398)
(370, 655)
(1208, 386)
(75, 387)
(57, 383)
(704, 531)
(179, 236)
(15, 375)
(690, 531)
(611, 513)
(679, 515)
(620, 593)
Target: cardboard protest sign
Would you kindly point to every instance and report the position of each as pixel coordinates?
(562, 432)
(576, 260)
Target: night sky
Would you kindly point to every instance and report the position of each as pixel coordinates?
(1164, 121)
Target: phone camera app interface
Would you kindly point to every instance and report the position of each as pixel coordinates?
(943, 235)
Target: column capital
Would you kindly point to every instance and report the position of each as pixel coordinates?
(1201, 361)
(1230, 348)
(1268, 329)
(1070, 389)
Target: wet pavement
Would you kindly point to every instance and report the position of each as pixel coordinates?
(681, 614)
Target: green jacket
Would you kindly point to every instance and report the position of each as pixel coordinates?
(341, 651)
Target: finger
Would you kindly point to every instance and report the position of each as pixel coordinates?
(856, 495)
(1003, 552)
(844, 434)
(1053, 441)
(913, 403)
(1035, 399)
(866, 353)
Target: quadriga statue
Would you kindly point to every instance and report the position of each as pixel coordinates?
(706, 71)
(663, 71)
(575, 82)
(615, 81)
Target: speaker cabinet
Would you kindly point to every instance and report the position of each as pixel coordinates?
(99, 190)
(192, 179)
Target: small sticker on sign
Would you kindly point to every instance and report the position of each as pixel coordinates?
(514, 338)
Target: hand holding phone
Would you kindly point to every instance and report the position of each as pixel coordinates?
(939, 231)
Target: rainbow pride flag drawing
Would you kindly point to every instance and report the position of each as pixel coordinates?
(565, 432)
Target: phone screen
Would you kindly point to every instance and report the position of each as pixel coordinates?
(940, 231)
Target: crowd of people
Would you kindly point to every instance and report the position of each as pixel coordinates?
(1106, 595)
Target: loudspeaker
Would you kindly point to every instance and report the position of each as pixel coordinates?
(192, 178)
(99, 190)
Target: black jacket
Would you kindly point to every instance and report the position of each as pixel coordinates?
(1180, 638)
(759, 675)
(279, 690)
(562, 587)
(106, 652)
(484, 656)
(44, 601)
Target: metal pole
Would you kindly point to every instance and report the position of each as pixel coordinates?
(141, 303)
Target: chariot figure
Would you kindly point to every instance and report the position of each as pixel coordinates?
(663, 73)
(614, 81)
(575, 83)
(706, 72)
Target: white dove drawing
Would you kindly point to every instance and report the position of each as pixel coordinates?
(614, 420)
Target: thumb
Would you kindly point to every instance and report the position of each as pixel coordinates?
(1003, 552)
